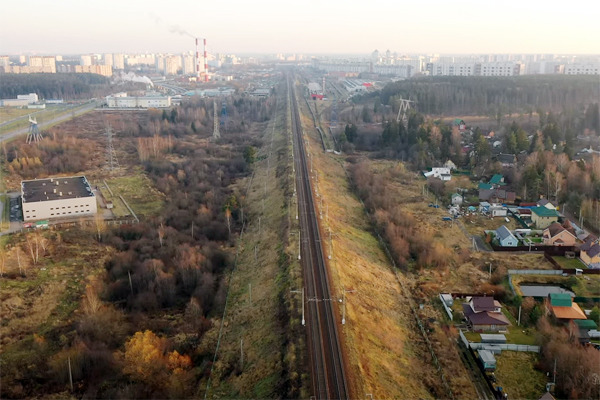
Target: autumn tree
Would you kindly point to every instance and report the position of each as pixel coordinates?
(147, 360)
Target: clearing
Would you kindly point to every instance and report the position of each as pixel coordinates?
(517, 376)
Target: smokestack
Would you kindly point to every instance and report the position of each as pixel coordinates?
(205, 63)
(197, 59)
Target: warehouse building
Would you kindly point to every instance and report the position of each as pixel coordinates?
(57, 198)
(121, 100)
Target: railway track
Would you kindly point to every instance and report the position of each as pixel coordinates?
(327, 364)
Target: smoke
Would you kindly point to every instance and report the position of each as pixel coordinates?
(131, 77)
(177, 29)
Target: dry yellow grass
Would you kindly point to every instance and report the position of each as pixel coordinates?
(379, 338)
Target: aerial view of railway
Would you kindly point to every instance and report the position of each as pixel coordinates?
(256, 204)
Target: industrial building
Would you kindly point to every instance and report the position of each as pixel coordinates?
(57, 198)
(121, 100)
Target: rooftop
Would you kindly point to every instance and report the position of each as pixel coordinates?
(496, 179)
(544, 212)
(560, 299)
(586, 323)
(504, 233)
(55, 189)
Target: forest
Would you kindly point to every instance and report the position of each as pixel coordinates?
(52, 86)
(139, 332)
(493, 95)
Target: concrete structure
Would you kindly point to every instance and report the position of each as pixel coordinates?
(582, 69)
(108, 59)
(543, 217)
(104, 70)
(121, 100)
(118, 61)
(57, 198)
(45, 64)
(505, 237)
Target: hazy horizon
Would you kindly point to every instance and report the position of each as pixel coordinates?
(269, 26)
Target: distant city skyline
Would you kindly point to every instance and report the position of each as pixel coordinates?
(309, 27)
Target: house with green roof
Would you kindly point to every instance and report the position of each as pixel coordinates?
(497, 179)
(485, 186)
(580, 329)
(543, 217)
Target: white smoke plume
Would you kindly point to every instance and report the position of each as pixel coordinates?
(179, 30)
(131, 77)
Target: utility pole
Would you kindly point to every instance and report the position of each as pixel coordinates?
(242, 352)
(301, 291)
(71, 374)
(490, 270)
(344, 304)
(250, 292)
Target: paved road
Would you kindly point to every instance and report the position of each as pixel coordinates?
(61, 118)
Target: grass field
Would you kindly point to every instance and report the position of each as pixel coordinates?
(5, 212)
(9, 113)
(517, 376)
(569, 263)
(138, 191)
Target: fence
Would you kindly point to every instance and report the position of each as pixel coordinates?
(448, 310)
(552, 250)
(504, 346)
(534, 272)
(495, 347)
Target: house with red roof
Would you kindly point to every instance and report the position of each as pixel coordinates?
(557, 235)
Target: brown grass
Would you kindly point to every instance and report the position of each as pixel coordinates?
(382, 356)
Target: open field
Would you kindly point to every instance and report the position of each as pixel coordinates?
(138, 191)
(385, 355)
(517, 376)
(569, 263)
(476, 224)
(39, 304)
(9, 113)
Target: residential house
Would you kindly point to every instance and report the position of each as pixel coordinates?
(484, 186)
(442, 173)
(580, 329)
(497, 195)
(460, 124)
(548, 204)
(497, 179)
(497, 210)
(543, 217)
(590, 251)
(563, 308)
(558, 235)
(450, 165)
(485, 314)
(457, 199)
(507, 160)
(505, 237)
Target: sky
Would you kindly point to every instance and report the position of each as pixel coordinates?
(309, 26)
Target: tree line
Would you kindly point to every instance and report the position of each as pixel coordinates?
(52, 86)
(456, 95)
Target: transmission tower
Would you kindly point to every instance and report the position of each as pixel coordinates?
(405, 105)
(111, 155)
(333, 123)
(216, 133)
(224, 116)
(34, 134)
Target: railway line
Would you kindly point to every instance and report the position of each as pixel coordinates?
(327, 363)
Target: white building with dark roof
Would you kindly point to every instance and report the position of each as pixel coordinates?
(57, 198)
